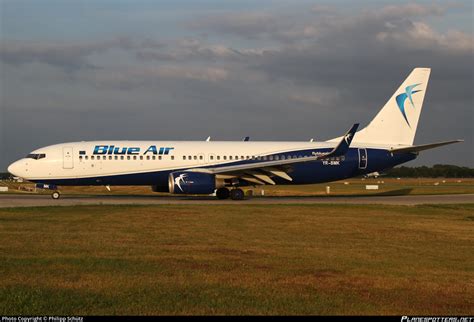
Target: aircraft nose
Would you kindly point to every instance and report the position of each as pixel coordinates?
(16, 168)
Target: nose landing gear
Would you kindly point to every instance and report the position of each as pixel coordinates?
(55, 195)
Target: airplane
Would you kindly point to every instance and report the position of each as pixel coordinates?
(375, 174)
(223, 168)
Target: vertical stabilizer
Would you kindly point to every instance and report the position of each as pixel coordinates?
(397, 121)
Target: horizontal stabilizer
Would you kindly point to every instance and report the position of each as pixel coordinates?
(417, 148)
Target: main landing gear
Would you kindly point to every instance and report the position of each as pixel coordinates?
(55, 195)
(222, 193)
(234, 194)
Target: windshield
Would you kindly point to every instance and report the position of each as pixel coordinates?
(36, 156)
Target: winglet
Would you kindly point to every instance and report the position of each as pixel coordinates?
(344, 144)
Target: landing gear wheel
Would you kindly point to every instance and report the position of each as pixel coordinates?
(55, 195)
(222, 193)
(236, 194)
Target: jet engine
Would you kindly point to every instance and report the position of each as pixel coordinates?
(191, 183)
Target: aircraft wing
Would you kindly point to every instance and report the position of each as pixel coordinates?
(418, 148)
(260, 172)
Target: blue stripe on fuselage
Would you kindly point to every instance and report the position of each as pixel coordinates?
(302, 173)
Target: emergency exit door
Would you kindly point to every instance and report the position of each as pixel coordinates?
(362, 158)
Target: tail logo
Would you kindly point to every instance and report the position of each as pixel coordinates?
(401, 98)
(347, 137)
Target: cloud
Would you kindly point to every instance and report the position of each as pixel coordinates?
(419, 35)
(412, 9)
(133, 77)
(367, 44)
(322, 97)
(196, 50)
(144, 55)
(246, 24)
(67, 56)
(291, 27)
(290, 74)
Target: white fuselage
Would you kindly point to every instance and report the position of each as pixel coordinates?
(57, 164)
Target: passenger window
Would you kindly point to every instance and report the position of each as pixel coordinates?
(224, 157)
(110, 157)
(211, 157)
(92, 157)
(160, 157)
(184, 157)
(172, 157)
(242, 157)
(153, 157)
(134, 157)
(218, 157)
(116, 157)
(122, 157)
(230, 157)
(128, 157)
(148, 157)
(80, 157)
(195, 157)
(200, 157)
(86, 157)
(141, 157)
(104, 157)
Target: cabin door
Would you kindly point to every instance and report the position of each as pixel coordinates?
(68, 160)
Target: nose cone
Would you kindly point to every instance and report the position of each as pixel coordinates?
(16, 169)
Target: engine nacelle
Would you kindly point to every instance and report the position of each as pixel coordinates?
(191, 183)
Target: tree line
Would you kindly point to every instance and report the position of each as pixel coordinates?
(438, 170)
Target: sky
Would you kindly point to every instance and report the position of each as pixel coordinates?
(271, 70)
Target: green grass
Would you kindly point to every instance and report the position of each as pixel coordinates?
(237, 259)
(355, 186)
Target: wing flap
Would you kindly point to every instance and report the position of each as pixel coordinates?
(261, 177)
(278, 173)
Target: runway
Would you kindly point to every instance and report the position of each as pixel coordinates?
(11, 200)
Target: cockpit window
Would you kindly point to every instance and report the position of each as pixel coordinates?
(36, 156)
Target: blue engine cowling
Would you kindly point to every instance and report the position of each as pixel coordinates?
(191, 183)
